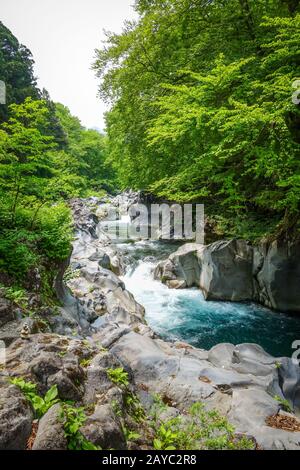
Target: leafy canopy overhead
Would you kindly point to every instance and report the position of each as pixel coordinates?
(201, 107)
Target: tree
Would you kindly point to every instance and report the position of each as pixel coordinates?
(201, 107)
(16, 70)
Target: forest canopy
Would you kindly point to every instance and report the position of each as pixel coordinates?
(202, 110)
(46, 158)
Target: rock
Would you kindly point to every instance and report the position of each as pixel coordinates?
(16, 418)
(234, 270)
(221, 355)
(249, 412)
(181, 269)
(6, 312)
(50, 434)
(68, 389)
(10, 332)
(250, 408)
(97, 381)
(103, 429)
(277, 276)
(252, 359)
(226, 271)
(49, 359)
(289, 379)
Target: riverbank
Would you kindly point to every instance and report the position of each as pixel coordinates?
(109, 331)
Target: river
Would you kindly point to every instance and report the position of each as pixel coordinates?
(185, 315)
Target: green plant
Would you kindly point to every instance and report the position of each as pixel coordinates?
(73, 419)
(285, 404)
(118, 376)
(71, 274)
(117, 408)
(130, 435)
(85, 362)
(39, 404)
(134, 407)
(18, 296)
(166, 438)
(198, 429)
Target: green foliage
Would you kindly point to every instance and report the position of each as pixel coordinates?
(39, 404)
(118, 376)
(16, 295)
(199, 430)
(285, 404)
(130, 435)
(46, 157)
(73, 419)
(133, 407)
(16, 70)
(202, 109)
(85, 362)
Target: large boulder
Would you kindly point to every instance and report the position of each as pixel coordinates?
(6, 311)
(48, 359)
(181, 269)
(51, 434)
(103, 428)
(234, 270)
(226, 271)
(16, 417)
(277, 275)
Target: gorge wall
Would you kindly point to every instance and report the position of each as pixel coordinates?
(234, 270)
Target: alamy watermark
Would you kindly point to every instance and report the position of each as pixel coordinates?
(2, 92)
(296, 353)
(157, 222)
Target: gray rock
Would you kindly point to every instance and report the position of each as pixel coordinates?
(181, 269)
(221, 355)
(289, 379)
(278, 279)
(104, 429)
(16, 418)
(234, 270)
(249, 411)
(226, 271)
(252, 359)
(250, 408)
(51, 435)
(6, 312)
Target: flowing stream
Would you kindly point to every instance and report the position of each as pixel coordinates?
(185, 315)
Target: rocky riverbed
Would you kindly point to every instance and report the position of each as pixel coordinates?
(101, 327)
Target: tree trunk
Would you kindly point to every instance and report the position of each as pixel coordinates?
(292, 6)
(248, 18)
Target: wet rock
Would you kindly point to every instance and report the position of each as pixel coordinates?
(234, 270)
(277, 277)
(226, 271)
(181, 269)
